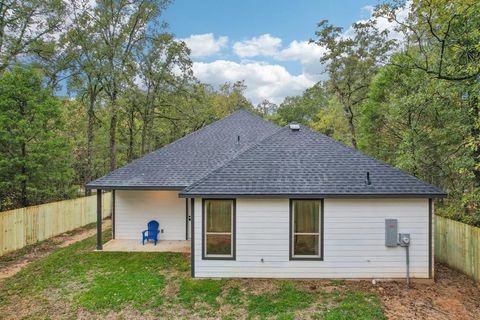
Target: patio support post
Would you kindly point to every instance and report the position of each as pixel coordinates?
(99, 220)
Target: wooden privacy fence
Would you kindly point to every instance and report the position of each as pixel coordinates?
(458, 245)
(24, 226)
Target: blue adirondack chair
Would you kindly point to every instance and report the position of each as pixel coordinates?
(151, 233)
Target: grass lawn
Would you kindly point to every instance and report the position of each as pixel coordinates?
(76, 282)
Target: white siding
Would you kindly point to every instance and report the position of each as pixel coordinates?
(134, 209)
(354, 236)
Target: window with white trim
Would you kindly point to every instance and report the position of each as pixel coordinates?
(306, 237)
(218, 219)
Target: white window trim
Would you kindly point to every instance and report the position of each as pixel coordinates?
(218, 233)
(303, 256)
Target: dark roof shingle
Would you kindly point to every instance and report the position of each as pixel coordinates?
(307, 163)
(190, 158)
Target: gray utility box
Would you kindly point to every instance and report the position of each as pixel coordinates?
(404, 239)
(391, 234)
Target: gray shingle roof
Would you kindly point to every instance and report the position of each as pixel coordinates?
(306, 163)
(190, 158)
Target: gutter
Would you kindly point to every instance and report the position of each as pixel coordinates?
(314, 195)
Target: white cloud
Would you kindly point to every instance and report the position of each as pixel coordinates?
(206, 44)
(264, 45)
(267, 46)
(264, 81)
(306, 53)
(273, 81)
(302, 51)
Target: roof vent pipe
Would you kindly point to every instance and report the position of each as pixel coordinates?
(367, 181)
(294, 126)
(238, 139)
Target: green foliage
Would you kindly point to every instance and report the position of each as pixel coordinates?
(351, 63)
(132, 86)
(282, 303)
(34, 157)
(80, 280)
(464, 216)
(330, 120)
(302, 109)
(230, 98)
(443, 37)
(429, 102)
(115, 289)
(422, 124)
(205, 291)
(98, 281)
(416, 108)
(355, 305)
(234, 296)
(26, 27)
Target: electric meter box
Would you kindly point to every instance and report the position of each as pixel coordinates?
(404, 239)
(391, 234)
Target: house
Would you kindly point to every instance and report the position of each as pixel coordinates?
(261, 201)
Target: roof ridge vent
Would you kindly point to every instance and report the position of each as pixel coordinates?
(294, 126)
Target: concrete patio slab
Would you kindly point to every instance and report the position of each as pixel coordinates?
(136, 246)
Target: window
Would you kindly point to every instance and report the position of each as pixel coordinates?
(306, 229)
(218, 229)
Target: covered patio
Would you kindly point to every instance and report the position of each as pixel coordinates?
(133, 209)
(129, 245)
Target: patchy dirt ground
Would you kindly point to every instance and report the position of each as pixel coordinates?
(452, 296)
(12, 263)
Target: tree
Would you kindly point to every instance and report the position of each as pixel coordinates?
(303, 109)
(229, 98)
(441, 40)
(35, 164)
(81, 46)
(27, 28)
(266, 108)
(422, 125)
(440, 37)
(331, 121)
(120, 27)
(164, 69)
(351, 63)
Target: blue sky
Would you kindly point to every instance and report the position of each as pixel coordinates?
(264, 43)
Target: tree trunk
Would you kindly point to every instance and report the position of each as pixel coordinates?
(23, 169)
(350, 118)
(413, 149)
(351, 126)
(23, 183)
(131, 136)
(90, 136)
(144, 129)
(149, 135)
(113, 143)
(113, 132)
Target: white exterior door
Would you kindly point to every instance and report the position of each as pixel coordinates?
(189, 219)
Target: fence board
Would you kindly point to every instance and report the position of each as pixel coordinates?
(457, 245)
(24, 226)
